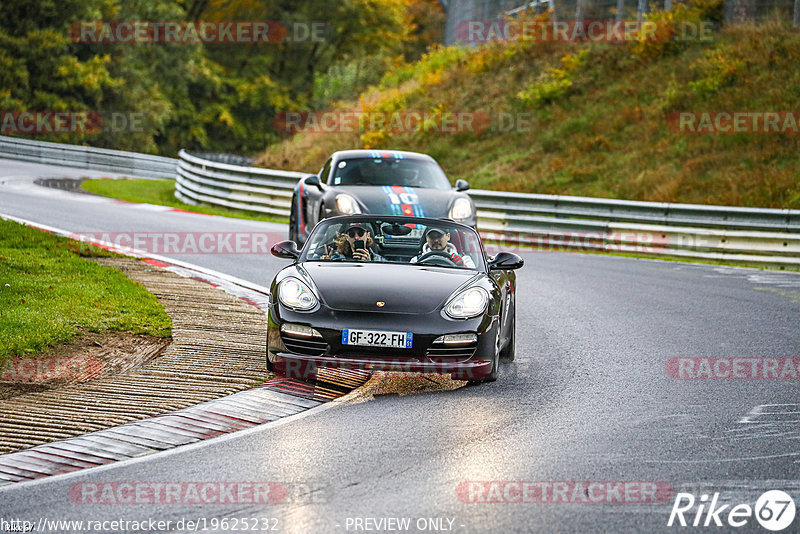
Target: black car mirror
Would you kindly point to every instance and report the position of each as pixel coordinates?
(462, 185)
(396, 229)
(286, 249)
(506, 261)
(313, 180)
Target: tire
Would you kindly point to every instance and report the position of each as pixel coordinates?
(508, 352)
(270, 367)
(495, 368)
(493, 374)
(293, 222)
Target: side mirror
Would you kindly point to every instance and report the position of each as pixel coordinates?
(286, 250)
(462, 185)
(506, 261)
(313, 180)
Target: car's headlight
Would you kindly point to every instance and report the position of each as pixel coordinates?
(462, 209)
(468, 303)
(347, 205)
(296, 295)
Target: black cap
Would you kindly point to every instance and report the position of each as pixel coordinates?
(362, 226)
(433, 229)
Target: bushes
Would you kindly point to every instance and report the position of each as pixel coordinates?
(677, 28)
(553, 83)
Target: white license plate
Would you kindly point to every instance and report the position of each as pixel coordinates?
(377, 338)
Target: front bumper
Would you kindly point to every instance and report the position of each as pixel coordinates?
(305, 367)
(289, 358)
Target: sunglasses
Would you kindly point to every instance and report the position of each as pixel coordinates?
(355, 232)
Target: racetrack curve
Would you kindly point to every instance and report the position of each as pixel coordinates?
(587, 399)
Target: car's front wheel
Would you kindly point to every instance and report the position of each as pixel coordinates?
(495, 359)
(270, 366)
(508, 352)
(495, 371)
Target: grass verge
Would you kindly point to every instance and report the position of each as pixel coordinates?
(162, 193)
(48, 292)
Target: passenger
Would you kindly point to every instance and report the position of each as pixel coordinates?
(438, 239)
(345, 245)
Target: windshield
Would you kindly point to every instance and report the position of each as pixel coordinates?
(400, 240)
(389, 171)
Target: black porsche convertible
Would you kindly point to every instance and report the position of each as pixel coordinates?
(392, 293)
(385, 182)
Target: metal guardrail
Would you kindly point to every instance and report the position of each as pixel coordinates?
(768, 237)
(234, 186)
(753, 236)
(523, 221)
(521, 207)
(84, 157)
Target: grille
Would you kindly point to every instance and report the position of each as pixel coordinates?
(450, 354)
(360, 351)
(306, 347)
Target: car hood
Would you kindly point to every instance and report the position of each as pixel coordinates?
(402, 288)
(377, 200)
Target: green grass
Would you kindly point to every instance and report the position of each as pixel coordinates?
(608, 132)
(161, 192)
(48, 293)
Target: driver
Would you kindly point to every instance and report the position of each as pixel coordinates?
(353, 244)
(437, 239)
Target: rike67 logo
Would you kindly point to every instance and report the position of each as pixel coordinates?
(774, 510)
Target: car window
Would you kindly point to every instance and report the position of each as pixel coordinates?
(323, 174)
(396, 240)
(424, 174)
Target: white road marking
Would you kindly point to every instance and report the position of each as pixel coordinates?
(763, 413)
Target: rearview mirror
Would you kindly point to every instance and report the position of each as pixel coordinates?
(462, 185)
(313, 180)
(286, 250)
(506, 261)
(396, 229)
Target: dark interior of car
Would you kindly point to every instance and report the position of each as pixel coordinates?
(395, 242)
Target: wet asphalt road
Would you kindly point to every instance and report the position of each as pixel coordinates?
(588, 399)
